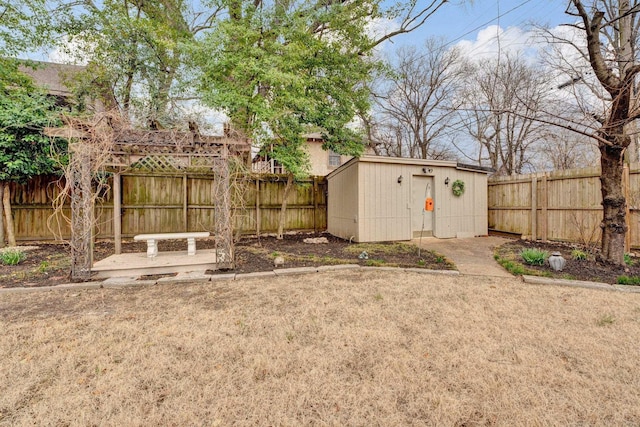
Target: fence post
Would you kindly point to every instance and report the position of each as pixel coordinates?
(544, 203)
(315, 204)
(534, 207)
(185, 202)
(258, 218)
(625, 190)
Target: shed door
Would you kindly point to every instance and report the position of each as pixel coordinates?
(421, 219)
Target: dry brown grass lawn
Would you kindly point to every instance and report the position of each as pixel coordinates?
(359, 348)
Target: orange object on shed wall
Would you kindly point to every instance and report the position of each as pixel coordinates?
(428, 204)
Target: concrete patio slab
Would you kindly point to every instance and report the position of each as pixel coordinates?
(138, 264)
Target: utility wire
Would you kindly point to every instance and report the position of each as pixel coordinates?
(497, 18)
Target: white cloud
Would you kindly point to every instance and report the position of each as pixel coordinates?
(494, 40)
(378, 27)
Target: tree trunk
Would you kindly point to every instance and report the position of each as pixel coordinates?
(6, 201)
(283, 209)
(614, 227)
(1, 218)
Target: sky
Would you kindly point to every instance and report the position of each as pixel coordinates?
(474, 25)
(460, 20)
(476, 22)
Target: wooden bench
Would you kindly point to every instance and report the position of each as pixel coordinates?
(152, 240)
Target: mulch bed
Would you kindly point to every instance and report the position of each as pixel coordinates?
(49, 264)
(590, 269)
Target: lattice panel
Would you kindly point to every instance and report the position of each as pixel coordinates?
(202, 162)
(161, 163)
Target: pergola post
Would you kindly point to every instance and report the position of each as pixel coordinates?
(222, 201)
(117, 212)
(81, 212)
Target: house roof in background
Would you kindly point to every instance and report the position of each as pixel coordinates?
(52, 76)
(313, 137)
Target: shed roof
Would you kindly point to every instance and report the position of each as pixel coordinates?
(413, 162)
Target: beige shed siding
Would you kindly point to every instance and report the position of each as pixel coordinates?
(368, 190)
(385, 214)
(342, 203)
(465, 215)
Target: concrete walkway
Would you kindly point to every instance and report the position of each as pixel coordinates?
(473, 256)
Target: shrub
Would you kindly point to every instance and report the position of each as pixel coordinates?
(628, 280)
(12, 256)
(579, 255)
(534, 256)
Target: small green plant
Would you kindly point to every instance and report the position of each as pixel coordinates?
(12, 256)
(422, 263)
(43, 267)
(606, 320)
(534, 256)
(378, 297)
(628, 280)
(579, 255)
(629, 260)
(374, 263)
(440, 259)
(513, 267)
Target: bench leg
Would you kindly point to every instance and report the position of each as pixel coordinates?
(191, 246)
(152, 248)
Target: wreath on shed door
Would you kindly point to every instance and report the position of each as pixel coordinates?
(457, 188)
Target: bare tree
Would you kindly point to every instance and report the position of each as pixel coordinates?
(502, 100)
(610, 29)
(415, 107)
(561, 149)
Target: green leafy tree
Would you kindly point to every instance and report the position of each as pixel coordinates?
(24, 25)
(24, 150)
(281, 69)
(135, 53)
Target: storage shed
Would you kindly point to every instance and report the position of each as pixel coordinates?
(374, 199)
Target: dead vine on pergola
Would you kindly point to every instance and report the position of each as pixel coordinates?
(85, 183)
(104, 143)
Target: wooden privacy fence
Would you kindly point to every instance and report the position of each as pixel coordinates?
(156, 203)
(562, 205)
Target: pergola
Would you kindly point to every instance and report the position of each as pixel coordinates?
(100, 145)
